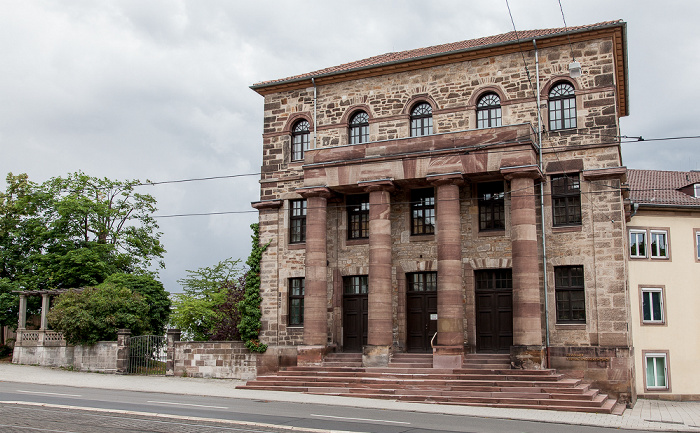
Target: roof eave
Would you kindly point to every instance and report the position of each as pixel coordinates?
(307, 78)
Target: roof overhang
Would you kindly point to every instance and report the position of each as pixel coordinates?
(617, 32)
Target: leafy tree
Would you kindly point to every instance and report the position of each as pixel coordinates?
(197, 311)
(75, 231)
(153, 293)
(226, 326)
(97, 313)
(249, 307)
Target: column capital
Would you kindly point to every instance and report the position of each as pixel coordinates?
(315, 191)
(377, 185)
(527, 171)
(456, 178)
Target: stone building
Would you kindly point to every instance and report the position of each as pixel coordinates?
(411, 201)
(664, 257)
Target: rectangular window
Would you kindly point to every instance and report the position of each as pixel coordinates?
(697, 245)
(355, 285)
(656, 370)
(494, 279)
(659, 244)
(358, 216)
(296, 301)
(297, 221)
(570, 294)
(697, 190)
(422, 211)
(652, 305)
(566, 199)
(638, 244)
(422, 281)
(492, 215)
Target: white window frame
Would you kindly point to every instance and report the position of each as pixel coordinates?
(697, 245)
(646, 376)
(646, 244)
(697, 190)
(648, 291)
(656, 254)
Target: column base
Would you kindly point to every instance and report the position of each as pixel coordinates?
(311, 355)
(528, 357)
(448, 356)
(376, 356)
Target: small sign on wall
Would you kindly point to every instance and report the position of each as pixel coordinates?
(433, 316)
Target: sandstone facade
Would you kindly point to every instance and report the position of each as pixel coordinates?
(453, 161)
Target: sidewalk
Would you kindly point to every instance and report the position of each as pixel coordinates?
(647, 415)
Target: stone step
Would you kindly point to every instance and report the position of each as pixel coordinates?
(484, 380)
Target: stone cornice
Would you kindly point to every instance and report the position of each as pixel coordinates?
(267, 204)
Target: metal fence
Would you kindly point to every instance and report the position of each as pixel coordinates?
(147, 355)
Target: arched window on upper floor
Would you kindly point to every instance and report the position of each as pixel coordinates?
(421, 120)
(488, 111)
(359, 128)
(300, 139)
(562, 107)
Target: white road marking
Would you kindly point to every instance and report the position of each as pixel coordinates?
(49, 393)
(360, 419)
(186, 404)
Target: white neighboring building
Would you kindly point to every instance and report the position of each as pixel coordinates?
(664, 259)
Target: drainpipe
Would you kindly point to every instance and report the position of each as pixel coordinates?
(313, 82)
(544, 239)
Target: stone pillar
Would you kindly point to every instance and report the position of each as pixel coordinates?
(45, 300)
(316, 284)
(527, 313)
(22, 312)
(379, 316)
(123, 336)
(172, 336)
(449, 350)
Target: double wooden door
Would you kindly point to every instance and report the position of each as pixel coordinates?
(421, 311)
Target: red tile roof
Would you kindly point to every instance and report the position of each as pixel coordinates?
(404, 56)
(654, 187)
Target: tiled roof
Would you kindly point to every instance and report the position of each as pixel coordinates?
(402, 56)
(654, 187)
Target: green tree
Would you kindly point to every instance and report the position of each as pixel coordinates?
(153, 293)
(75, 231)
(97, 313)
(197, 310)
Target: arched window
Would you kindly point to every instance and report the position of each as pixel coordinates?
(421, 120)
(359, 128)
(300, 139)
(488, 111)
(562, 107)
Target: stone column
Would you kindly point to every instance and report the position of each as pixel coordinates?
(22, 312)
(172, 336)
(316, 284)
(527, 314)
(379, 316)
(449, 350)
(123, 336)
(45, 300)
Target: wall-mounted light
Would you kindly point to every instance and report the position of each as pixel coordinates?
(574, 69)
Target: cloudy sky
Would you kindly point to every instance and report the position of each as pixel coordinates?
(158, 89)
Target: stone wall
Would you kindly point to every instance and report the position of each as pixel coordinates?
(101, 357)
(219, 359)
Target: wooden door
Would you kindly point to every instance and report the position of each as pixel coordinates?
(421, 311)
(355, 307)
(494, 311)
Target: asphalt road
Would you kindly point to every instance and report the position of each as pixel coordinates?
(70, 411)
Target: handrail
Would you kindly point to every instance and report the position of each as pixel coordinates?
(432, 346)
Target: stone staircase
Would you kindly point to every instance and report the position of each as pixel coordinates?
(483, 380)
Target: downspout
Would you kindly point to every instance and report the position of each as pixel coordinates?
(313, 82)
(544, 239)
